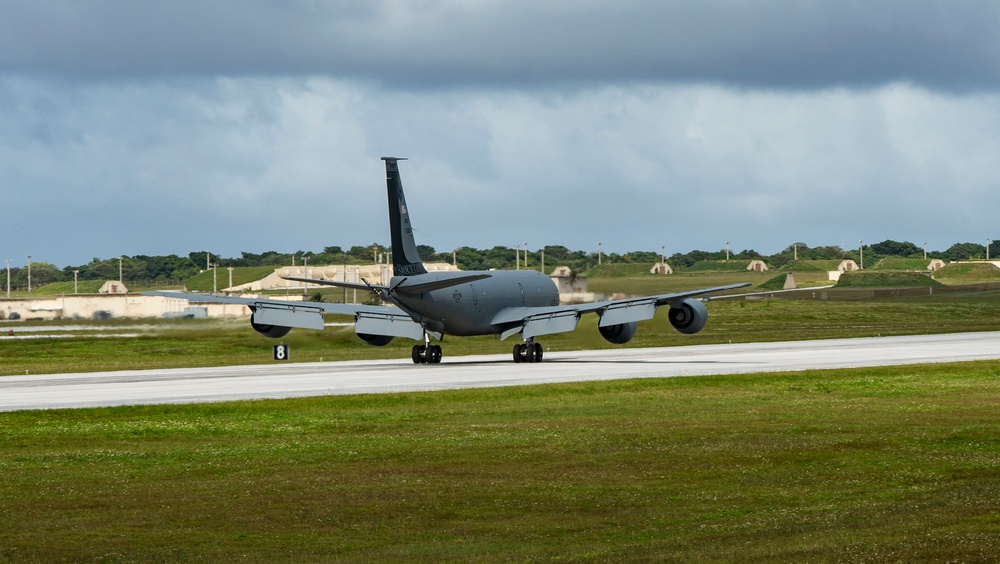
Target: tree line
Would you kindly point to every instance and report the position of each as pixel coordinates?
(143, 270)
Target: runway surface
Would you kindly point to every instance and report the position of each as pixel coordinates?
(191, 385)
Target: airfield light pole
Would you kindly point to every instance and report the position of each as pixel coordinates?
(215, 278)
(861, 248)
(305, 265)
(29, 274)
(526, 256)
(230, 269)
(120, 277)
(988, 249)
(727, 250)
(345, 276)
(925, 250)
(8, 279)
(598, 253)
(517, 256)
(76, 289)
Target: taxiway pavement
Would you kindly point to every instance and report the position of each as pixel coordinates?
(191, 385)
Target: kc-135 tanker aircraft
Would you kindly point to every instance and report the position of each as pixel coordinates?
(429, 305)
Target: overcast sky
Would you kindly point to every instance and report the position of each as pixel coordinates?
(168, 127)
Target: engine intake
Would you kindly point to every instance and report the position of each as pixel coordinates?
(619, 334)
(689, 316)
(376, 340)
(270, 331)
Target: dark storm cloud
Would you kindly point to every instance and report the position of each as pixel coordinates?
(781, 44)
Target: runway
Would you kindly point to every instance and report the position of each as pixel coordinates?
(192, 385)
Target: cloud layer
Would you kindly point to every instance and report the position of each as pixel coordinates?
(128, 128)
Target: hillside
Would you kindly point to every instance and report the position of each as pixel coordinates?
(204, 281)
(812, 265)
(968, 273)
(718, 266)
(885, 280)
(905, 264)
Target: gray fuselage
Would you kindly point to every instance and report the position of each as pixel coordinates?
(469, 308)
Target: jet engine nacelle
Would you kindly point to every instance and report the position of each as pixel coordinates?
(619, 334)
(275, 321)
(376, 340)
(270, 331)
(689, 316)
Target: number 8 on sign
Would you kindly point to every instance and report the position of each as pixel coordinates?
(280, 352)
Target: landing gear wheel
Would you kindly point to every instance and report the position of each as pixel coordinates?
(426, 354)
(528, 352)
(419, 354)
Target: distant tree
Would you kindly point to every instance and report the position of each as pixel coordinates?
(966, 251)
(558, 253)
(42, 273)
(748, 254)
(427, 253)
(640, 257)
(202, 258)
(897, 249)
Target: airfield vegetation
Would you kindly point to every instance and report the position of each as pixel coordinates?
(882, 464)
(887, 464)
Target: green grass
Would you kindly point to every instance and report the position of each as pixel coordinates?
(776, 283)
(894, 263)
(888, 464)
(60, 288)
(883, 279)
(968, 273)
(620, 270)
(812, 265)
(204, 281)
(719, 265)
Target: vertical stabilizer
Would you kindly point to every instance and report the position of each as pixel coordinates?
(405, 260)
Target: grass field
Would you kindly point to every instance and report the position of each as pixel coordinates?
(892, 464)
(884, 464)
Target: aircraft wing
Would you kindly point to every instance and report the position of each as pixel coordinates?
(389, 321)
(339, 309)
(535, 321)
(348, 285)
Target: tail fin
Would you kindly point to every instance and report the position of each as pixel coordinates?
(405, 260)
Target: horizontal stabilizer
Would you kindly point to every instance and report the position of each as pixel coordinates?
(420, 288)
(350, 285)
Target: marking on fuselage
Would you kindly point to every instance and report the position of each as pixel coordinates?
(457, 295)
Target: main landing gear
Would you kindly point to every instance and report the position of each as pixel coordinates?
(426, 353)
(529, 351)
